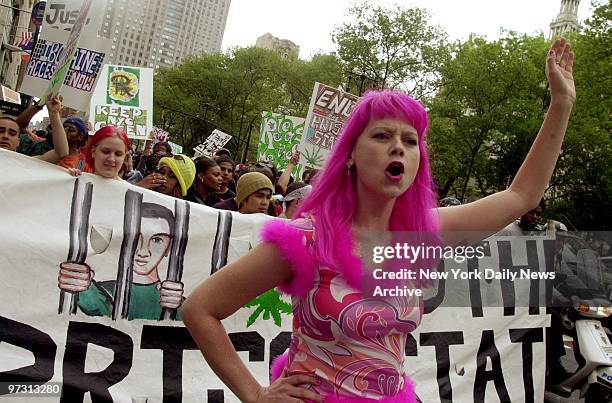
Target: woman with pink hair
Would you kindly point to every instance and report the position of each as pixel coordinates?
(347, 346)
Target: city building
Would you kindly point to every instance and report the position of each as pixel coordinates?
(14, 20)
(284, 47)
(162, 33)
(567, 20)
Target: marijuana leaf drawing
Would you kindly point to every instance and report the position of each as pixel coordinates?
(313, 157)
(269, 304)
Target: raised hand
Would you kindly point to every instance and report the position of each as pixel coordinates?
(74, 277)
(559, 71)
(54, 104)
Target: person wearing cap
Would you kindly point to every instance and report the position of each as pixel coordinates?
(253, 194)
(173, 177)
(77, 134)
(296, 191)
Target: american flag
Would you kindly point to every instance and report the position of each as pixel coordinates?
(26, 41)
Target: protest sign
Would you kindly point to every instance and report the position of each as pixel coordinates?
(110, 349)
(83, 73)
(329, 109)
(176, 149)
(215, 141)
(62, 14)
(160, 135)
(124, 97)
(67, 55)
(280, 135)
(9, 95)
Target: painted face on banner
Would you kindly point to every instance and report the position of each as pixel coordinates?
(153, 245)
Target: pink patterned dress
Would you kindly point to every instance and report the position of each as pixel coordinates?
(354, 346)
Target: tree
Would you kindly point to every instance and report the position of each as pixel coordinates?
(488, 109)
(395, 47)
(230, 91)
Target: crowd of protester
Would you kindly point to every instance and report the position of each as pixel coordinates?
(216, 181)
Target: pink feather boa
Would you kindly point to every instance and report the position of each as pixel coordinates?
(291, 242)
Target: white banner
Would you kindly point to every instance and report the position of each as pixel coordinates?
(48, 217)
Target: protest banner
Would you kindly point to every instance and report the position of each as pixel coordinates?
(280, 136)
(67, 55)
(216, 140)
(62, 14)
(458, 353)
(124, 97)
(83, 73)
(329, 108)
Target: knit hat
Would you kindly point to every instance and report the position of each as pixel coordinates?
(250, 183)
(80, 125)
(183, 168)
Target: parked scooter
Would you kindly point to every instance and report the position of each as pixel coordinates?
(586, 317)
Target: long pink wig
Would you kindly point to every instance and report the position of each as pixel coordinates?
(333, 200)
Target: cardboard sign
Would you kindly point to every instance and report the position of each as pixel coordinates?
(329, 109)
(215, 141)
(280, 136)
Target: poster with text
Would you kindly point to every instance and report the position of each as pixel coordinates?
(215, 141)
(62, 14)
(114, 340)
(329, 109)
(124, 97)
(280, 136)
(83, 73)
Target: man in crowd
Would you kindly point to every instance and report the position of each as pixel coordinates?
(253, 195)
(227, 169)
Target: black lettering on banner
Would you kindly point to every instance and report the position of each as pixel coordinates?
(279, 345)
(475, 291)
(432, 303)
(527, 337)
(172, 340)
(441, 342)
(251, 342)
(244, 341)
(487, 349)
(411, 346)
(549, 262)
(505, 261)
(77, 382)
(37, 342)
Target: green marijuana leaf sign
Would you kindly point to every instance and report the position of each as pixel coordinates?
(269, 304)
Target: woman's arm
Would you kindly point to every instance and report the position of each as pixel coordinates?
(60, 142)
(219, 297)
(283, 180)
(492, 213)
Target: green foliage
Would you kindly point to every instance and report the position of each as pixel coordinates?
(268, 304)
(396, 47)
(230, 91)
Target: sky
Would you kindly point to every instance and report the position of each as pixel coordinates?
(309, 23)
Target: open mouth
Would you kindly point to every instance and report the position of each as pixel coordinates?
(395, 170)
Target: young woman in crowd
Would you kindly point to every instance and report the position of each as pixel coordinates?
(207, 183)
(106, 153)
(347, 346)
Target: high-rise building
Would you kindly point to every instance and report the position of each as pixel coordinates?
(162, 33)
(284, 47)
(567, 20)
(14, 20)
